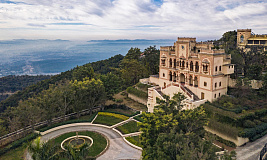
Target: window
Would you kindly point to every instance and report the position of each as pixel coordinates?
(205, 84)
(216, 69)
(220, 68)
(163, 74)
(229, 67)
(163, 62)
(220, 84)
(214, 95)
(216, 85)
(219, 94)
(205, 68)
(241, 38)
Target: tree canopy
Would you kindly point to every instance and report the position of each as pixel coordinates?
(172, 133)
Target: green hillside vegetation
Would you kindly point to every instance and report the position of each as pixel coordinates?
(72, 91)
(11, 84)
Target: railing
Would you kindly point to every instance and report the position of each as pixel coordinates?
(263, 153)
(29, 128)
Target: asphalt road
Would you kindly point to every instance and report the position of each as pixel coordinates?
(251, 151)
(118, 148)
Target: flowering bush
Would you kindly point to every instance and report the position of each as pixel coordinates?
(122, 117)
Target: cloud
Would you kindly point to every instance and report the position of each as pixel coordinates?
(129, 19)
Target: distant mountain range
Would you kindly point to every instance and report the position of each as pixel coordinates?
(37, 57)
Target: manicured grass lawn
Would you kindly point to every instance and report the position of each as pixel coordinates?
(107, 120)
(16, 154)
(124, 111)
(134, 140)
(98, 146)
(139, 118)
(129, 127)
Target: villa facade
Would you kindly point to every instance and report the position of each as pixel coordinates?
(245, 38)
(193, 68)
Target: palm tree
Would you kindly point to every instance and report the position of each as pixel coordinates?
(43, 151)
(73, 153)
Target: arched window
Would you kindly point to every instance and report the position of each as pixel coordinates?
(195, 82)
(163, 62)
(182, 78)
(174, 77)
(220, 68)
(170, 74)
(205, 68)
(191, 66)
(174, 63)
(196, 67)
(170, 62)
(241, 38)
(190, 80)
(183, 64)
(216, 68)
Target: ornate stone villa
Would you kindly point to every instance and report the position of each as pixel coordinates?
(193, 68)
(246, 38)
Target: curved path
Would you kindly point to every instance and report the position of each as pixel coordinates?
(118, 148)
(251, 151)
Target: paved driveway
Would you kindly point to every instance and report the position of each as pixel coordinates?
(118, 148)
(251, 150)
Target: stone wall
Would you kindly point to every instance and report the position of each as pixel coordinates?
(137, 99)
(255, 84)
(238, 141)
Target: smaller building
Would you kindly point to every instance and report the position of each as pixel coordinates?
(245, 38)
(193, 68)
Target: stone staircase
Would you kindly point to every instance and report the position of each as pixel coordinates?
(189, 91)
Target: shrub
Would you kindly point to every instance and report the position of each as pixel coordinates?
(226, 142)
(118, 100)
(248, 124)
(261, 113)
(264, 119)
(137, 92)
(18, 143)
(252, 132)
(143, 86)
(223, 128)
(119, 116)
(139, 118)
(68, 122)
(128, 115)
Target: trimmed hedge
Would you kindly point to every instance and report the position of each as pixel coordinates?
(254, 133)
(226, 142)
(223, 128)
(18, 143)
(68, 122)
(119, 116)
(137, 92)
(128, 115)
(143, 86)
(139, 118)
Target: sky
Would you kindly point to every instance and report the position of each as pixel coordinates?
(129, 19)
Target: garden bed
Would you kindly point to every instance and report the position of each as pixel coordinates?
(98, 146)
(109, 119)
(134, 140)
(129, 127)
